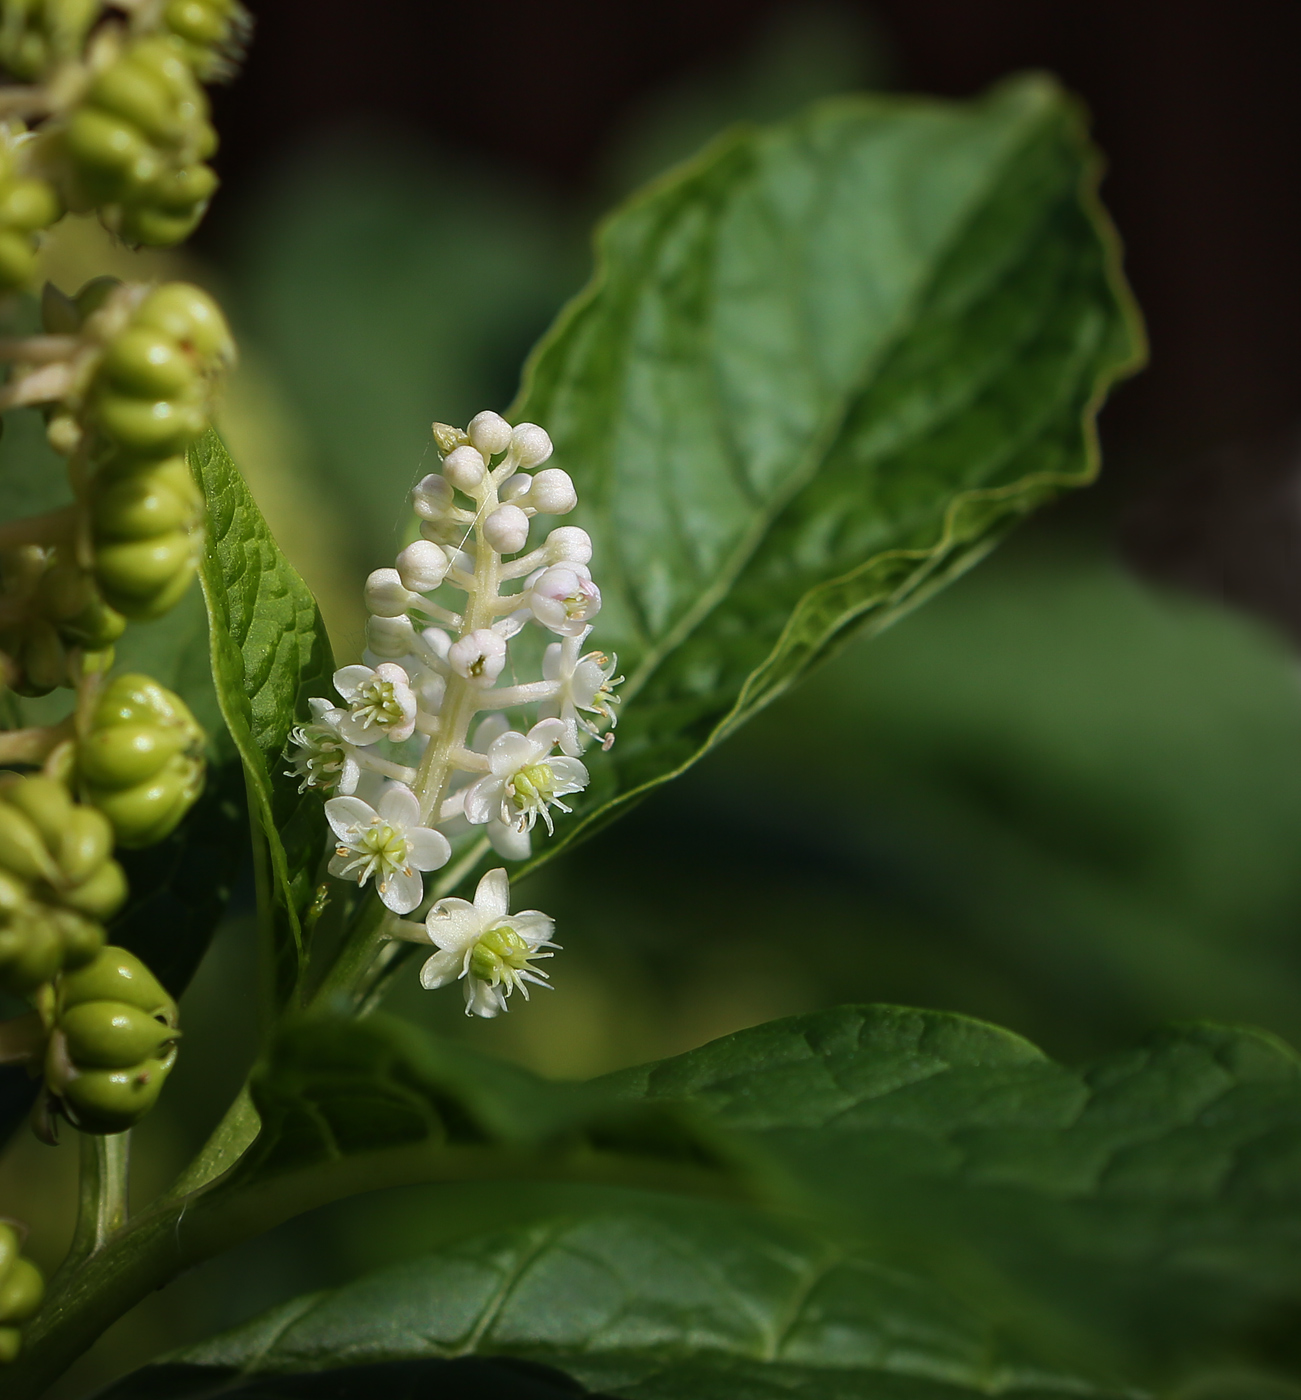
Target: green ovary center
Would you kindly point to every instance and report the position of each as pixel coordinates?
(376, 704)
(497, 949)
(385, 849)
(534, 784)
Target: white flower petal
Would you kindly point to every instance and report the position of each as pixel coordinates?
(572, 775)
(492, 898)
(399, 806)
(356, 730)
(483, 800)
(509, 841)
(546, 733)
(402, 890)
(511, 751)
(347, 814)
(481, 999)
(427, 849)
(349, 680)
(441, 969)
(452, 923)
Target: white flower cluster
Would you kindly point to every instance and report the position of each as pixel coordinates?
(430, 683)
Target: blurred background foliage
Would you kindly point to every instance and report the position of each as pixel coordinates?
(1055, 797)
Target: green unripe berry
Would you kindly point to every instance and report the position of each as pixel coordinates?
(148, 364)
(191, 317)
(185, 190)
(102, 895)
(31, 952)
(11, 1246)
(158, 427)
(22, 852)
(143, 506)
(151, 227)
(17, 259)
(111, 155)
(21, 1291)
(85, 845)
(13, 893)
(115, 975)
(113, 1100)
(131, 91)
(143, 578)
(113, 1035)
(47, 805)
(28, 205)
(141, 762)
(198, 23)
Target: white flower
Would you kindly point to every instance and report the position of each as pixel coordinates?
(380, 703)
(586, 683)
(486, 946)
(563, 598)
(523, 782)
(478, 657)
(319, 754)
(386, 841)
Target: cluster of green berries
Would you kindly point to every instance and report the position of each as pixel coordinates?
(36, 36)
(21, 1289)
(141, 760)
(211, 32)
(149, 400)
(112, 1042)
(135, 147)
(58, 880)
(61, 626)
(28, 204)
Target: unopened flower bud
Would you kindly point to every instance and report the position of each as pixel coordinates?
(515, 487)
(464, 468)
(507, 529)
(390, 637)
(530, 444)
(552, 492)
(431, 497)
(489, 432)
(479, 657)
(569, 545)
(422, 566)
(387, 595)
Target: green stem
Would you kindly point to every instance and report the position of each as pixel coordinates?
(102, 1206)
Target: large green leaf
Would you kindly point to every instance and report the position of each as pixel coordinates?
(340, 1107)
(818, 371)
(269, 653)
(1142, 1212)
(664, 1298)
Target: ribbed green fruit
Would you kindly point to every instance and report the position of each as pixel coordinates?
(113, 1043)
(21, 1290)
(35, 35)
(141, 761)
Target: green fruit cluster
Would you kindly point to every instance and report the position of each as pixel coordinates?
(113, 1043)
(148, 401)
(211, 31)
(141, 761)
(58, 607)
(27, 205)
(57, 881)
(21, 1290)
(136, 144)
(37, 35)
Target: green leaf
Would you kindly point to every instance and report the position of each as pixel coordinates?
(665, 1298)
(339, 1107)
(1137, 1213)
(269, 654)
(818, 372)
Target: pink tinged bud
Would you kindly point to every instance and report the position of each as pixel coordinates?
(489, 432)
(552, 492)
(386, 594)
(479, 657)
(569, 545)
(464, 468)
(531, 445)
(422, 566)
(507, 529)
(431, 498)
